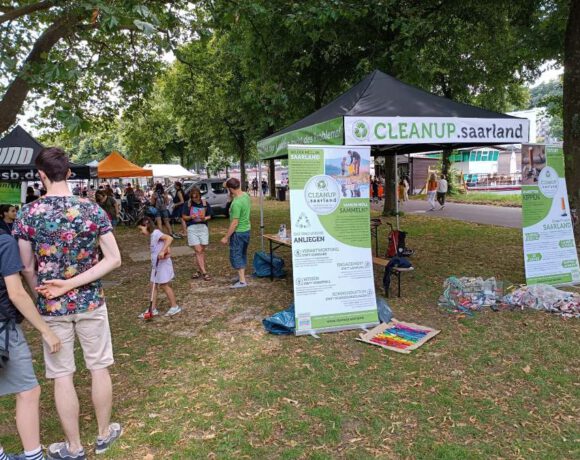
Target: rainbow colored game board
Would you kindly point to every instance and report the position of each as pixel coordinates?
(399, 336)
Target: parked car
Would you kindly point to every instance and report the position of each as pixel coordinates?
(212, 190)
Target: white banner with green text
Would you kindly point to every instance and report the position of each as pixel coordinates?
(439, 130)
(331, 242)
(550, 254)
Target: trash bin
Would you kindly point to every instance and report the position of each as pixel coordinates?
(281, 193)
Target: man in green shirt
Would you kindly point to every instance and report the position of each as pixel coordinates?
(238, 234)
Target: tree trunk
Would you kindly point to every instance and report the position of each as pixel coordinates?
(572, 106)
(390, 186)
(18, 89)
(272, 178)
(446, 168)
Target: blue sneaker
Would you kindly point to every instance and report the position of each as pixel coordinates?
(115, 432)
(59, 451)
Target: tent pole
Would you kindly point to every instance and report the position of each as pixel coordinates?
(261, 205)
(397, 191)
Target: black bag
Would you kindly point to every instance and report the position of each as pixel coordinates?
(394, 262)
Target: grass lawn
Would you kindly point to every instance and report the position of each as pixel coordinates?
(210, 383)
(511, 200)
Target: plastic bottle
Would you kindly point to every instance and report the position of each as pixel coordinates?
(282, 231)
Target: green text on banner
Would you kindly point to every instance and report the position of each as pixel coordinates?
(550, 255)
(331, 245)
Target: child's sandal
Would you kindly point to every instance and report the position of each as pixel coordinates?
(206, 277)
(196, 276)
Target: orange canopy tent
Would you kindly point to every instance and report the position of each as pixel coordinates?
(116, 166)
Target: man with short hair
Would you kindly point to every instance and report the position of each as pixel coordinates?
(238, 234)
(61, 235)
(16, 371)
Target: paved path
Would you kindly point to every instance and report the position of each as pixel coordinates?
(481, 214)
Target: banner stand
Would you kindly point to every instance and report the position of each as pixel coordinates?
(550, 255)
(334, 286)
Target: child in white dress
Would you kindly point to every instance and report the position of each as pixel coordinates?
(162, 267)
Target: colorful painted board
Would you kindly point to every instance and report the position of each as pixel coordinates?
(398, 336)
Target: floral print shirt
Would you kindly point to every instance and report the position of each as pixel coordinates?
(64, 232)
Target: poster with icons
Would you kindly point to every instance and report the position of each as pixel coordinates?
(331, 243)
(550, 255)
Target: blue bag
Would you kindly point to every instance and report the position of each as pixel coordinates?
(263, 267)
(281, 323)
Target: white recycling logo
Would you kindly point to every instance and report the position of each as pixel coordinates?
(303, 221)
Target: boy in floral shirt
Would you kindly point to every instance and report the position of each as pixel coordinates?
(61, 235)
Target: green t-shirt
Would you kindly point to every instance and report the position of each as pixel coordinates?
(240, 209)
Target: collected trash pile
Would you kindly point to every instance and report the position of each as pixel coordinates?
(545, 297)
(467, 295)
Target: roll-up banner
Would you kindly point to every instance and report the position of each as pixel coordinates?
(331, 242)
(550, 254)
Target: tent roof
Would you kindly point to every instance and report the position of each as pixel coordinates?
(18, 152)
(115, 165)
(380, 95)
(20, 137)
(163, 170)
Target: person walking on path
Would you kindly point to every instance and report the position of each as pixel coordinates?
(432, 190)
(161, 266)
(60, 236)
(16, 373)
(238, 234)
(196, 213)
(255, 186)
(442, 187)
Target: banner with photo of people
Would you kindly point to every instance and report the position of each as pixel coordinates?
(550, 255)
(331, 243)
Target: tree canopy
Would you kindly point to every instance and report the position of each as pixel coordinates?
(79, 60)
(246, 68)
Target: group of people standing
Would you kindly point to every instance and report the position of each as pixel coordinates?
(61, 245)
(377, 189)
(255, 185)
(195, 214)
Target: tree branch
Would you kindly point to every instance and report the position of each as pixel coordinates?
(15, 13)
(18, 89)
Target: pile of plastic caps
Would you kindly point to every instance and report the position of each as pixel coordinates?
(467, 295)
(545, 297)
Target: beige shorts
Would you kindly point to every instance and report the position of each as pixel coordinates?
(92, 329)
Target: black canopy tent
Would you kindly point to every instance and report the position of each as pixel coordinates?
(385, 100)
(395, 118)
(18, 152)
